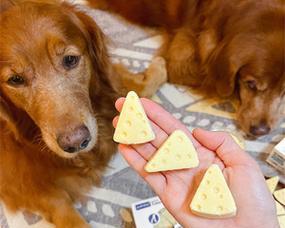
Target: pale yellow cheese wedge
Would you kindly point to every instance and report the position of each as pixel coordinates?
(272, 183)
(177, 152)
(213, 198)
(133, 125)
(280, 196)
(279, 208)
(281, 220)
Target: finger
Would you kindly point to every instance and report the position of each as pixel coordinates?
(115, 121)
(146, 150)
(162, 118)
(156, 180)
(219, 162)
(119, 103)
(224, 145)
(160, 135)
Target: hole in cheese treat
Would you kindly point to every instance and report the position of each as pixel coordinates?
(144, 133)
(175, 153)
(129, 123)
(180, 139)
(139, 115)
(134, 122)
(199, 207)
(216, 190)
(178, 156)
(219, 202)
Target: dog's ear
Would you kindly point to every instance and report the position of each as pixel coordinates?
(222, 71)
(7, 118)
(95, 40)
(223, 67)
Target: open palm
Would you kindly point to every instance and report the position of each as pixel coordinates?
(176, 188)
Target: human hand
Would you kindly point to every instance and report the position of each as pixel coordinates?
(255, 205)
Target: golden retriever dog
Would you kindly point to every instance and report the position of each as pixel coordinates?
(57, 97)
(222, 47)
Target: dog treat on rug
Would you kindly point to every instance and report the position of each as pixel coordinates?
(279, 208)
(272, 183)
(213, 198)
(133, 125)
(281, 220)
(280, 196)
(166, 220)
(177, 152)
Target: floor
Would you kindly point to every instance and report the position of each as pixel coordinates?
(109, 205)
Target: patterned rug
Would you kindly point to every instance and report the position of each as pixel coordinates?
(109, 205)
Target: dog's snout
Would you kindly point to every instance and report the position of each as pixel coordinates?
(261, 129)
(74, 141)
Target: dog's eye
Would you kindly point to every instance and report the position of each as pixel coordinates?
(16, 80)
(251, 84)
(70, 61)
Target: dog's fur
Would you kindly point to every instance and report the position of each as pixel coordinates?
(35, 172)
(220, 47)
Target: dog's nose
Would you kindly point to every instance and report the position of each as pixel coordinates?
(261, 129)
(74, 141)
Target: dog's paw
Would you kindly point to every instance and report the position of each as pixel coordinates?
(159, 61)
(156, 72)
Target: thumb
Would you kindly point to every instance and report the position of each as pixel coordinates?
(224, 145)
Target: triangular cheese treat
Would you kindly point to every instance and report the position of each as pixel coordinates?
(133, 125)
(280, 196)
(272, 183)
(279, 208)
(213, 198)
(177, 152)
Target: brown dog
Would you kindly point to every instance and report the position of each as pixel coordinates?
(56, 107)
(221, 47)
